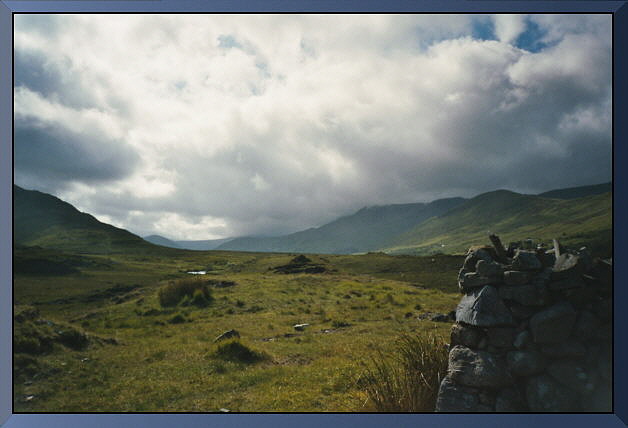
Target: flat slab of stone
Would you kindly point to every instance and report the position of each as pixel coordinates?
(471, 280)
(477, 368)
(553, 324)
(483, 308)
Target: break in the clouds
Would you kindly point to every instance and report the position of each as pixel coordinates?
(207, 126)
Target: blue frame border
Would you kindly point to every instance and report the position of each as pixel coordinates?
(620, 152)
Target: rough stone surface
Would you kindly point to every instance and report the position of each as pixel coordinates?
(537, 338)
(483, 308)
(586, 325)
(515, 277)
(473, 280)
(567, 266)
(567, 284)
(501, 337)
(524, 294)
(526, 260)
(525, 363)
(522, 312)
(573, 375)
(477, 368)
(522, 340)
(456, 398)
(553, 324)
(227, 335)
(544, 394)
(510, 400)
(489, 269)
(566, 349)
(465, 335)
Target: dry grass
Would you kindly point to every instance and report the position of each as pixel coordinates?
(408, 380)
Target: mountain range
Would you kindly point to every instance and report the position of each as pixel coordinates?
(577, 216)
(199, 245)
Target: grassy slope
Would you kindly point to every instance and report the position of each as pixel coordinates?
(44, 220)
(168, 367)
(583, 221)
(578, 192)
(366, 230)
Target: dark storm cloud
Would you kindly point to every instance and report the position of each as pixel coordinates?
(54, 153)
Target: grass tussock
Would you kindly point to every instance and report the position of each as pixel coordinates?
(237, 352)
(408, 380)
(190, 290)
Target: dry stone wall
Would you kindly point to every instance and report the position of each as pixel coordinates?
(533, 332)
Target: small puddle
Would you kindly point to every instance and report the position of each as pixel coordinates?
(197, 272)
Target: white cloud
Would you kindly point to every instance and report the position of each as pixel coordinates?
(509, 27)
(258, 124)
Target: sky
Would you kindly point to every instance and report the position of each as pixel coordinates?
(214, 126)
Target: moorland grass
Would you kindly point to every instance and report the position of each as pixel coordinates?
(408, 379)
(161, 366)
(195, 289)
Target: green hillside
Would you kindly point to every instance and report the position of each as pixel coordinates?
(576, 222)
(366, 230)
(578, 192)
(43, 220)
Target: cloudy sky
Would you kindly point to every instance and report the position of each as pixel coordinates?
(208, 126)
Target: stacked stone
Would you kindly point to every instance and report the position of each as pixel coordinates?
(533, 333)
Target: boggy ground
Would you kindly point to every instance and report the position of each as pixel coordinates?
(360, 304)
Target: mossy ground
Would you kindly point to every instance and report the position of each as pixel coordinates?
(359, 305)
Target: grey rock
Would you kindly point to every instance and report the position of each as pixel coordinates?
(300, 327)
(601, 400)
(526, 260)
(465, 335)
(544, 394)
(458, 398)
(553, 324)
(515, 277)
(526, 295)
(586, 325)
(567, 266)
(585, 258)
(483, 308)
(565, 349)
(489, 269)
(604, 366)
(510, 400)
(227, 335)
(487, 398)
(573, 375)
(522, 312)
(603, 309)
(473, 280)
(500, 337)
(477, 368)
(483, 343)
(522, 340)
(525, 363)
(567, 284)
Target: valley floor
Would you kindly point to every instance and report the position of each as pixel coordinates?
(143, 357)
